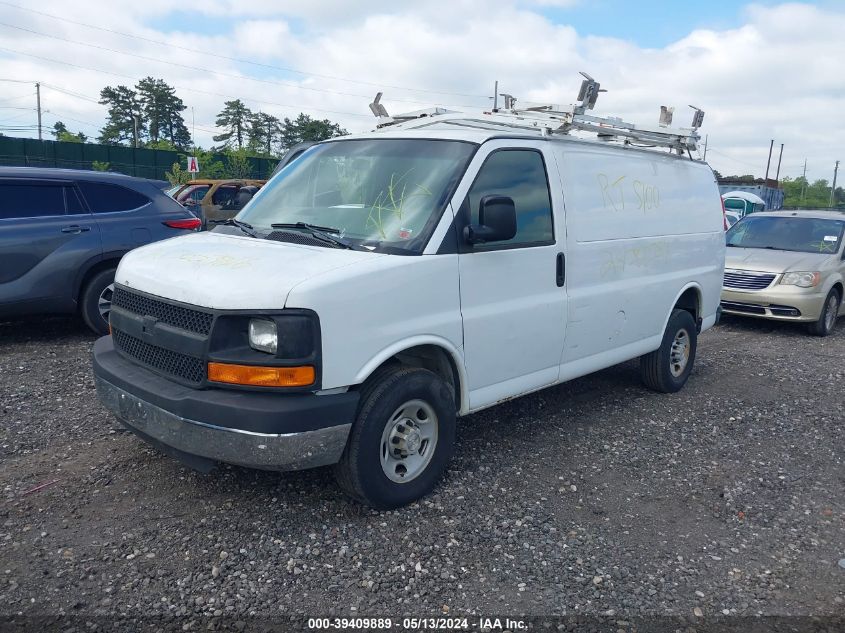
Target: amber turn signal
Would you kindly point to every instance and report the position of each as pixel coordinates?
(258, 376)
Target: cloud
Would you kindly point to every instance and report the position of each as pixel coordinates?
(777, 75)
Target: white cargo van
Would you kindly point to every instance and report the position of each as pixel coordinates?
(382, 285)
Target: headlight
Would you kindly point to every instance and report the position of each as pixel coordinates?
(263, 336)
(804, 280)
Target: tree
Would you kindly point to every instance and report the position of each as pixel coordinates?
(304, 128)
(126, 118)
(162, 110)
(64, 135)
(234, 118)
(265, 133)
(799, 192)
(209, 167)
(237, 164)
(177, 175)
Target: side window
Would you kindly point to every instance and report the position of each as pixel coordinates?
(225, 194)
(108, 198)
(31, 199)
(521, 175)
(74, 204)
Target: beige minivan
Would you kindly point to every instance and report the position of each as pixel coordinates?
(787, 266)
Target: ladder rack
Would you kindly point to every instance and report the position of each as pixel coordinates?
(549, 119)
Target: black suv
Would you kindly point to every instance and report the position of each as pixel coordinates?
(63, 232)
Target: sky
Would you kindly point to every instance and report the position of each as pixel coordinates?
(761, 71)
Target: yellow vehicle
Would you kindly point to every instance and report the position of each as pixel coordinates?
(787, 266)
(216, 200)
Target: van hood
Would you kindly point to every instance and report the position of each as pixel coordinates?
(229, 272)
(770, 261)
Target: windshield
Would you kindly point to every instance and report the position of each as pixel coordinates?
(377, 193)
(805, 235)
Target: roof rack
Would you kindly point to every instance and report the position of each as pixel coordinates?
(550, 119)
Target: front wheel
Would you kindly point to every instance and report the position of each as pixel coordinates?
(667, 368)
(402, 438)
(827, 320)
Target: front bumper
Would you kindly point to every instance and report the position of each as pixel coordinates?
(258, 430)
(778, 302)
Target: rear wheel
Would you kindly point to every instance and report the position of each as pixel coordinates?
(668, 368)
(827, 320)
(95, 302)
(402, 438)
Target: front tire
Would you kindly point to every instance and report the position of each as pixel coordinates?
(830, 312)
(668, 368)
(402, 438)
(95, 302)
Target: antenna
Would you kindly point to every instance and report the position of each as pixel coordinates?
(666, 116)
(589, 93)
(377, 109)
(697, 118)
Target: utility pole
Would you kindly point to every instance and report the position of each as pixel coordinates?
(804, 183)
(135, 120)
(769, 162)
(706, 139)
(777, 175)
(38, 105)
(833, 187)
(496, 96)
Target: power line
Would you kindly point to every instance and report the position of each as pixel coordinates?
(238, 60)
(71, 93)
(60, 117)
(286, 84)
(205, 92)
(736, 160)
(25, 96)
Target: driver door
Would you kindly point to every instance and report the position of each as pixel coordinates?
(513, 295)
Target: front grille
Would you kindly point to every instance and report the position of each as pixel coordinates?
(747, 280)
(748, 308)
(187, 368)
(177, 316)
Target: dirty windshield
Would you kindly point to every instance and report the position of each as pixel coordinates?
(378, 194)
(805, 235)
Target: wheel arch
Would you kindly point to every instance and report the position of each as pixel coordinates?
(93, 267)
(429, 352)
(689, 299)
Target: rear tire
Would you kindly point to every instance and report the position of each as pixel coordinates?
(95, 301)
(667, 369)
(827, 319)
(402, 438)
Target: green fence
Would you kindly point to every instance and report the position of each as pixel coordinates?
(141, 162)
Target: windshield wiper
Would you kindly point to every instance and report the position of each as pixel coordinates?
(305, 225)
(323, 233)
(243, 226)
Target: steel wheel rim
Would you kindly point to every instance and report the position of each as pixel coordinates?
(679, 353)
(409, 441)
(830, 315)
(104, 302)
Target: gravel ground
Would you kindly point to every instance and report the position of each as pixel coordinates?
(595, 497)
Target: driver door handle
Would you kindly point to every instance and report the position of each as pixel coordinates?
(75, 229)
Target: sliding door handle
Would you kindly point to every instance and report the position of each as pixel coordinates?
(561, 270)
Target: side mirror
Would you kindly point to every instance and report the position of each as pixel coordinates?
(497, 221)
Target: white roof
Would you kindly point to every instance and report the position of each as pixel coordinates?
(744, 195)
